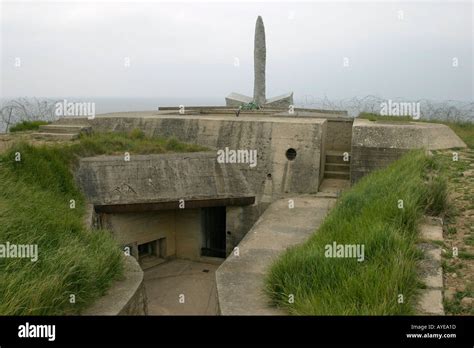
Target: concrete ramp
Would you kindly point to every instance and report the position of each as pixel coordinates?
(240, 279)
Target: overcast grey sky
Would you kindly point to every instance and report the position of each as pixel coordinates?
(187, 49)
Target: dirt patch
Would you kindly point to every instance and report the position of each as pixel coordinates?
(458, 251)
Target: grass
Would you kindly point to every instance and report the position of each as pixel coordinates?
(35, 196)
(368, 215)
(454, 306)
(27, 125)
(375, 117)
(469, 240)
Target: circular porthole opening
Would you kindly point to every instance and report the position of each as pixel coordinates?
(291, 154)
(269, 176)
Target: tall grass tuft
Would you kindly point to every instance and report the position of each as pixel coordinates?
(35, 195)
(369, 214)
(27, 125)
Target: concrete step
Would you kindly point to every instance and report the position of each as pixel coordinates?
(337, 167)
(55, 136)
(337, 175)
(336, 157)
(61, 128)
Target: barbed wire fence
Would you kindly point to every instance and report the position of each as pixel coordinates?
(449, 110)
(17, 110)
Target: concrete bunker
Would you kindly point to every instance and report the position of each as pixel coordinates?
(157, 210)
(140, 200)
(154, 233)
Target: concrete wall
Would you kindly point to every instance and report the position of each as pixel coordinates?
(181, 228)
(239, 220)
(377, 144)
(109, 180)
(125, 297)
(367, 159)
(270, 136)
(188, 234)
(339, 134)
(339, 126)
(151, 178)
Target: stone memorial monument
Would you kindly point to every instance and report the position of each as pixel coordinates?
(259, 97)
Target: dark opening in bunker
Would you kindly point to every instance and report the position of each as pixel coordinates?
(290, 154)
(213, 224)
(147, 249)
(149, 253)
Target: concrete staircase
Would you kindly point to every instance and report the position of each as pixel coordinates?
(336, 167)
(61, 132)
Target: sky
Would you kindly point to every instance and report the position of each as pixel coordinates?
(205, 49)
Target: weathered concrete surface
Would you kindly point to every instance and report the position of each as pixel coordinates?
(159, 178)
(431, 302)
(111, 180)
(270, 136)
(339, 126)
(125, 297)
(377, 144)
(60, 132)
(193, 281)
(240, 279)
(339, 134)
(317, 113)
(235, 100)
(179, 231)
(333, 188)
(431, 232)
(412, 135)
(281, 101)
(429, 268)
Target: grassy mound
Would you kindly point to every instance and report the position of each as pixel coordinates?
(368, 215)
(35, 196)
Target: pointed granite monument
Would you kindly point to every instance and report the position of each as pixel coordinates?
(259, 97)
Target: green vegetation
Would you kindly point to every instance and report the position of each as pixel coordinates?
(133, 142)
(137, 134)
(368, 215)
(35, 198)
(250, 106)
(27, 125)
(455, 307)
(458, 225)
(375, 117)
